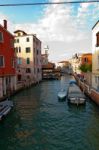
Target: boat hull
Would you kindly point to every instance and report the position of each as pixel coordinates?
(62, 98)
(62, 95)
(75, 95)
(5, 108)
(77, 101)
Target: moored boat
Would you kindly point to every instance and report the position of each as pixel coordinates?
(5, 107)
(75, 95)
(62, 94)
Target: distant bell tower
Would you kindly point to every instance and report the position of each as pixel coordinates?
(46, 50)
(46, 53)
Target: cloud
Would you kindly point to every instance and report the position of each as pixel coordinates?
(63, 31)
(57, 24)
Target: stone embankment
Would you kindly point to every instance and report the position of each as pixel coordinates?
(88, 90)
(19, 88)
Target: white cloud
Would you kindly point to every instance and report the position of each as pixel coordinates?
(62, 31)
(56, 25)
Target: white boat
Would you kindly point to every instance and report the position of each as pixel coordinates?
(5, 107)
(62, 94)
(75, 95)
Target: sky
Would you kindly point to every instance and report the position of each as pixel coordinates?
(66, 29)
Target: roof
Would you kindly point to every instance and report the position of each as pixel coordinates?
(48, 66)
(20, 31)
(87, 54)
(63, 62)
(95, 24)
(25, 34)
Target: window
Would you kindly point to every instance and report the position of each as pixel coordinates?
(19, 77)
(16, 49)
(34, 40)
(1, 61)
(97, 39)
(19, 49)
(19, 61)
(28, 60)
(34, 50)
(1, 37)
(27, 49)
(27, 39)
(38, 70)
(17, 40)
(19, 34)
(28, 70)
(37, 51)
(85, 60)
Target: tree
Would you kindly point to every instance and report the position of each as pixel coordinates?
(86, 67)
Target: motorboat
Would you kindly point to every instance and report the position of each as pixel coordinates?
(5, 107)
(72, 82)
(62, 94)
(75, 95)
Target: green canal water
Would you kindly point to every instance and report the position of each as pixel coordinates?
(39, 121)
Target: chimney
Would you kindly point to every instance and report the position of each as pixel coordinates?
(5, 24)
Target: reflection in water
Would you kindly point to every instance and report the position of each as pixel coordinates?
(40, 122)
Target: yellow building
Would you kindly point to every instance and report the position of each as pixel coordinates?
(28, 51)
(95, 56)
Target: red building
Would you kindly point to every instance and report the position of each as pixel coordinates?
(7, 61)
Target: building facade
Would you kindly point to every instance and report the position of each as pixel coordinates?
(28, 51)
(65, 67)
(86, 62)
(7, 61)
(86, 58)
(75, 62)
(95, 56)
(48, 70)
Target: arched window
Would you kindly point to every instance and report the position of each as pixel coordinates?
(97, 39)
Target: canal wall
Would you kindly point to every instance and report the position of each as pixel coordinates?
(88, 90)
(19, 88)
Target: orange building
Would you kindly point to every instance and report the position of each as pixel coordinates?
(86, 58)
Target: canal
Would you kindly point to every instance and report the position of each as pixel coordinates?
(39, 121)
